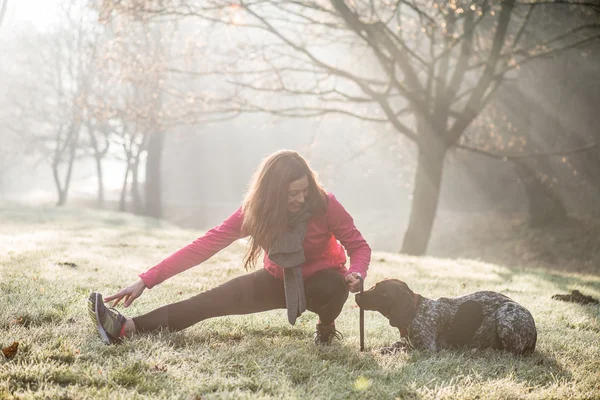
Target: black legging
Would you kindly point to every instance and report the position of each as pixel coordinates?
(326, 293)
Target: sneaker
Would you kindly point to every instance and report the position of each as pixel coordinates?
(109, 321)
(325, 333)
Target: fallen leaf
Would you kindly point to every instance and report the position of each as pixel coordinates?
(159, 368)
(10, 351)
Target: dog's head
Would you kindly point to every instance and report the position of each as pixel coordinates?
(393, 299)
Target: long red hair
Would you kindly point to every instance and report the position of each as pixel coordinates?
(265, 204)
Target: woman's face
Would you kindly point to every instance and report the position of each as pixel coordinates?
(297, 192)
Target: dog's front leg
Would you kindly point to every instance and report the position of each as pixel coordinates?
(394, 348)
(422, 335)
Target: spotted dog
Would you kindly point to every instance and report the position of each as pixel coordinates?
(477, 320)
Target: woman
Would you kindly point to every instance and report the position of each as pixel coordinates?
(286, 213)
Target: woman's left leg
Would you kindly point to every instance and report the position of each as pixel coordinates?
(326, 293)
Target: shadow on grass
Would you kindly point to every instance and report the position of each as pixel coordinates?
(563, 284)
(300, 361)
(535, 370)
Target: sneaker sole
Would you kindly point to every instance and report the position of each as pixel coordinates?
(91, 308)
(103, 334)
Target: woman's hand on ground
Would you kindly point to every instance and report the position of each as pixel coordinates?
(353, 282)
(130, 293)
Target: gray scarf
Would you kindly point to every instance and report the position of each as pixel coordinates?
(287, 252)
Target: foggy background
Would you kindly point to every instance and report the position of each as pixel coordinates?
(66, 67)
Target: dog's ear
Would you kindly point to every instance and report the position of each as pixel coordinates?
(403, 308)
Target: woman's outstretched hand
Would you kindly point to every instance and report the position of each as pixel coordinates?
(130, 293)
(353, 282)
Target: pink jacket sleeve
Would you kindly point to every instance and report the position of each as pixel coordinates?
(342, 226)
(196, 252)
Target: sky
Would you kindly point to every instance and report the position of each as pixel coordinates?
(23, 14)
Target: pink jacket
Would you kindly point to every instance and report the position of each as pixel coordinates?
(321, 247)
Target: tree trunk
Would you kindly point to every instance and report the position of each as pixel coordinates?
(2, 185)
(100, 199)
(426, 193)
(3, 7)
(124, 189)
(152, 188)
(138, 207)
(62, 198)
(98, 156)
(63, 190)
(72, 155)
(57, 184)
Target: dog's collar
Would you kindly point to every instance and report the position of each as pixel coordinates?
(417, 300)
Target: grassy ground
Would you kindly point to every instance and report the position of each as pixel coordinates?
(574, 245)
(43, 298)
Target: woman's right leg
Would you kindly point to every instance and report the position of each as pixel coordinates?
(250, 293)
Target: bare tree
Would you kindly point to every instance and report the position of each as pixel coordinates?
(99, 137)
(71, 58)
(52, 100)
(140, 58)
(91, 86)
(425, 67)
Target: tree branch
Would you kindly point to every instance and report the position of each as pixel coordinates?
(516, 156)
(469, 111)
